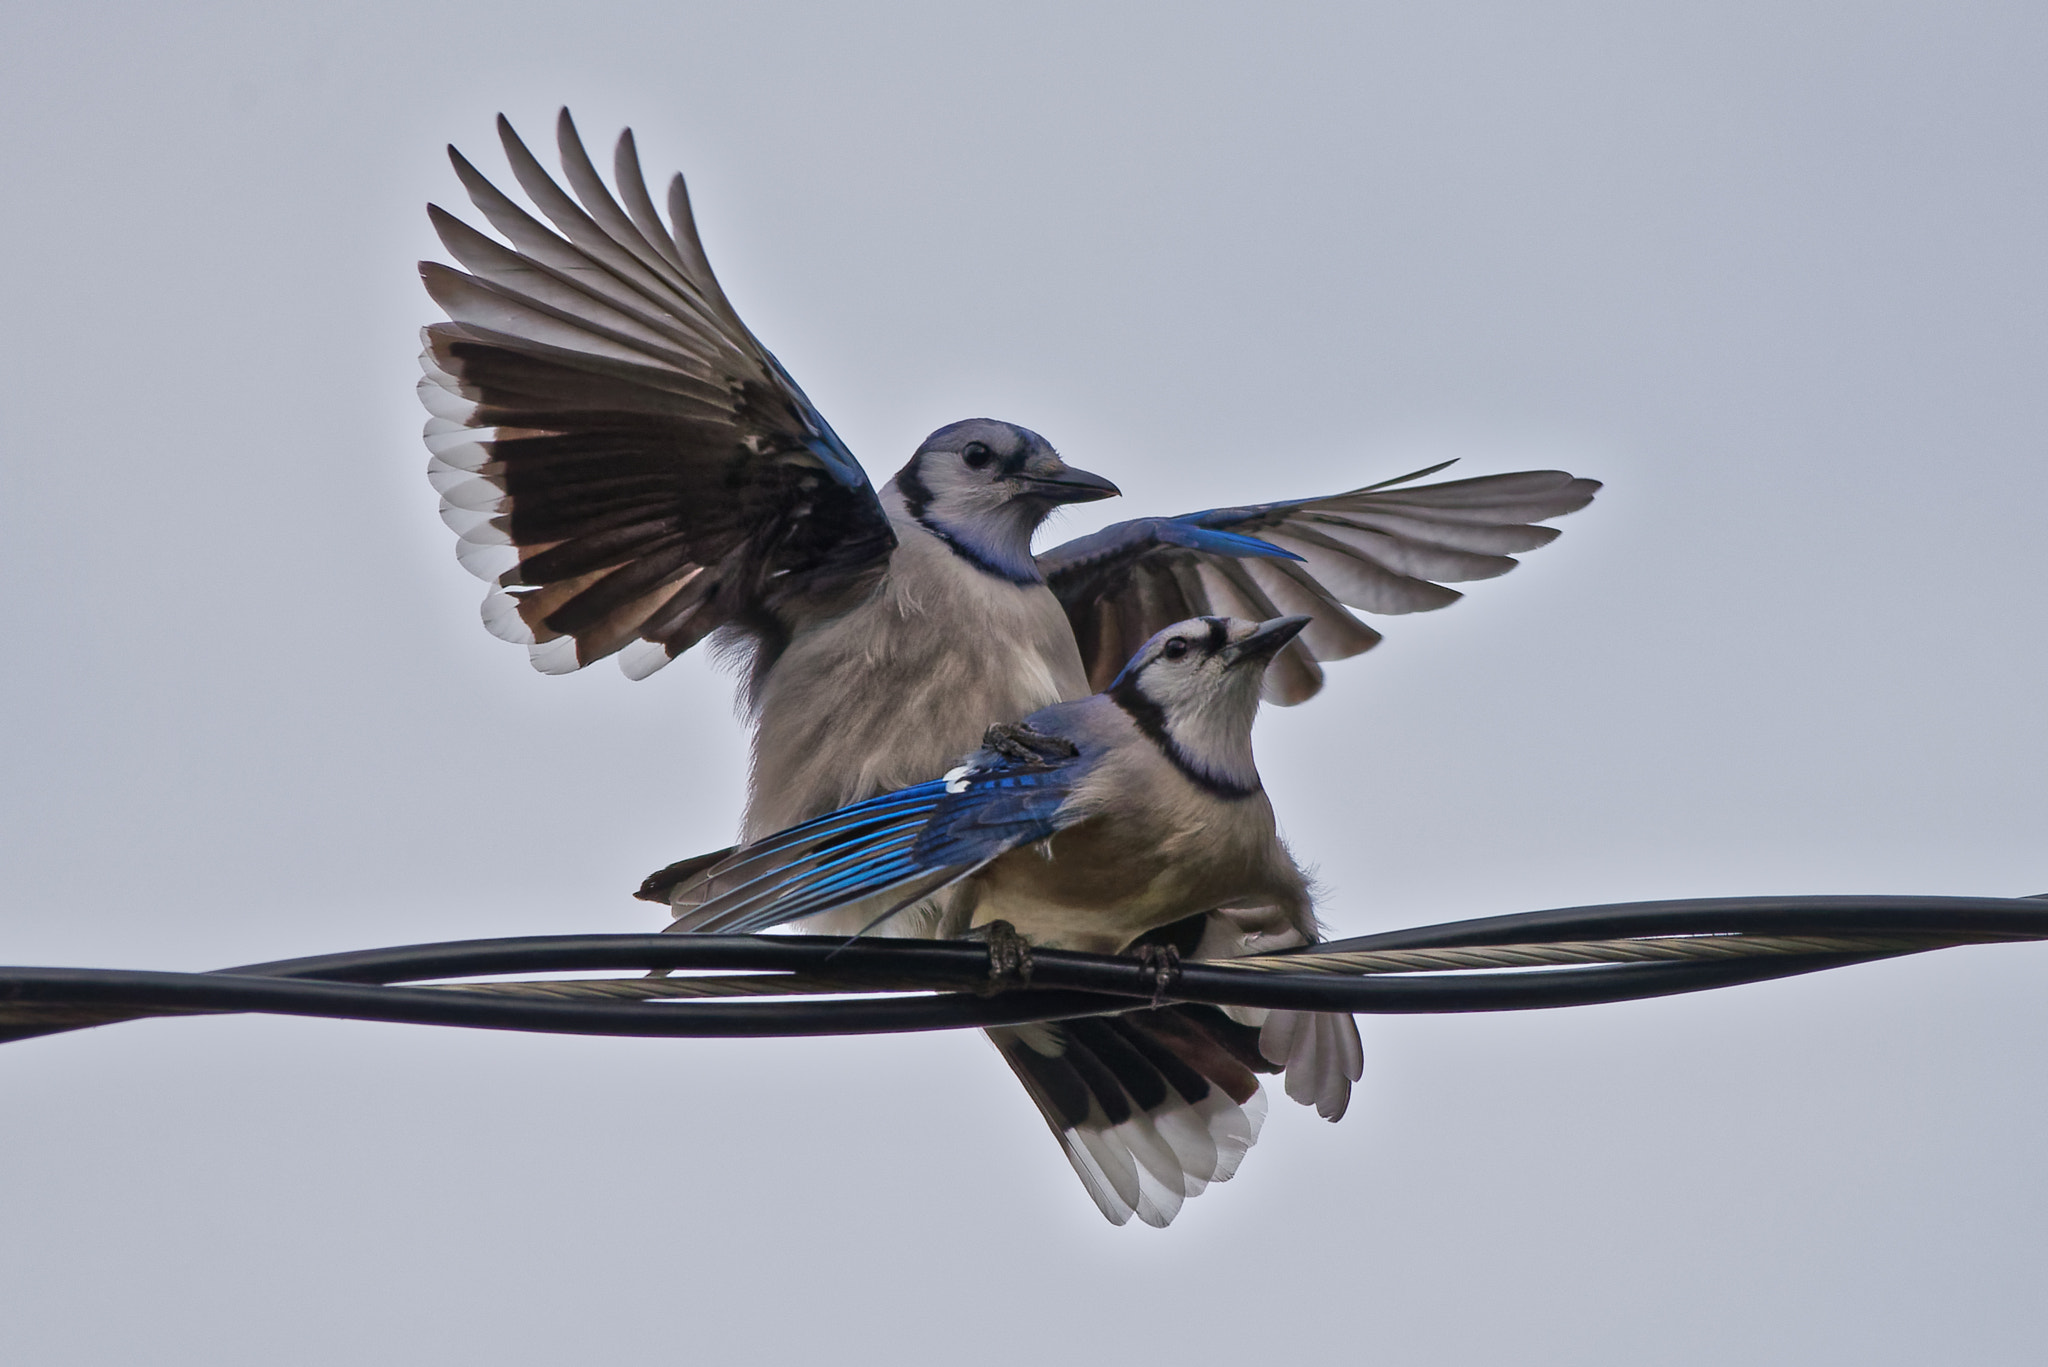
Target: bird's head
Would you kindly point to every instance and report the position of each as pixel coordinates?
(985, 486)
(1194, 688)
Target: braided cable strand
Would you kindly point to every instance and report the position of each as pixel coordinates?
(1648, 949)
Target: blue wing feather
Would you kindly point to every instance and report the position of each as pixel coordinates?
(917, 839)
(997, 811)
(1125, 541)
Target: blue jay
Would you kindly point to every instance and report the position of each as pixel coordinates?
(1085, 827)
(632, 472)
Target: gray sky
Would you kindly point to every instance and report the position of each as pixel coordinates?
(1773, 271)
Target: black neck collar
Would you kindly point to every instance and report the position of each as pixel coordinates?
(917, 498)
(1151, 719)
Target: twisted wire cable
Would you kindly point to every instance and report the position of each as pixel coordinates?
(771, 985)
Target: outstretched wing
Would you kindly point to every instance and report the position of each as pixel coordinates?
(622, 461)
(893, 850)
(1386, 548)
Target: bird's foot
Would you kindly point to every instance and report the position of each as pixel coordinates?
(1009, 955)
(1161, 964)
(1013, 740)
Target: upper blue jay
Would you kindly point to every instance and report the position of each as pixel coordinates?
(631, 471)
(1084, 827)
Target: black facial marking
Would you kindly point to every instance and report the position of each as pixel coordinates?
(1150, 718)
(917, 495)
(980, 562)
(917, 500)
(1219, 634)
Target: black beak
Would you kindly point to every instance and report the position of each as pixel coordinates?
(1265, 643)
(1072, 486)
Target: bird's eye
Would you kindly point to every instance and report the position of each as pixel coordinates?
(976, 454)
(1175, 648)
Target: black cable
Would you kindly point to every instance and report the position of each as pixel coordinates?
(2018, 917)
(122, 990)
(356, 985)
(129, 990)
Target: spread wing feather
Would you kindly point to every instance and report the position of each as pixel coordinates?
(1387, 548)
(617, 455)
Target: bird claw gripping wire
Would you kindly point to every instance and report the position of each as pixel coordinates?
(1009, 957)
(1018, 742)
(1161, 965)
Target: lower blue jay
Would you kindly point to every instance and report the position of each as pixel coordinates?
(1085, 827)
